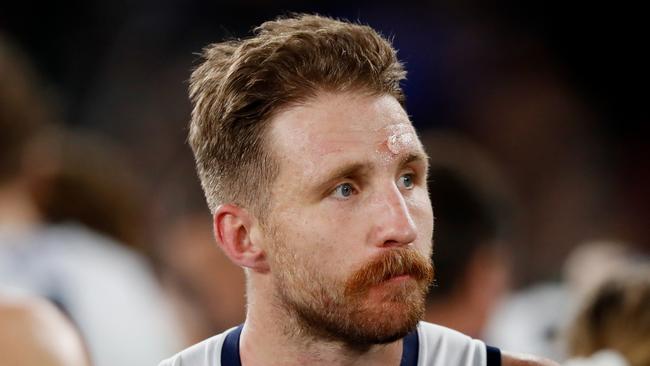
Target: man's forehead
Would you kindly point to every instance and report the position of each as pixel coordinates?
(343, 123)
(390, 139)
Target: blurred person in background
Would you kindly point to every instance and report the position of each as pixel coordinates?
(536, 318)
(612, 326)
(94, 185)
(33, 332)
(24, 118)
(207, 289)
(473, 224)
(50, 184)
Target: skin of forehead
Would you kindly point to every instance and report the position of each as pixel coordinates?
(343, 123)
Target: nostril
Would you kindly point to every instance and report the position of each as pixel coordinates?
(392, 243)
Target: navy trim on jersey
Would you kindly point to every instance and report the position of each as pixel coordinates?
(410, 349)
(493, 356)
(230, 349)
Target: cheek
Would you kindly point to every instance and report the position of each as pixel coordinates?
(334, 243)
(420, 204)
(314, 239)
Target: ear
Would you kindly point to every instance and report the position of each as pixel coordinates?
(234, 229)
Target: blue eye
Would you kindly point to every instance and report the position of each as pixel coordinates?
(344, 190)
(406, 181)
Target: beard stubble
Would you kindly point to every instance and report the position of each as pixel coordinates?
(362, 310)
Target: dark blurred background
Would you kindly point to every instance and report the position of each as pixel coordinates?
(555, 93)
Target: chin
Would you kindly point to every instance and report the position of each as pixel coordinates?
(361, 325)
(387, 322)
(389, 328)
(382, 314)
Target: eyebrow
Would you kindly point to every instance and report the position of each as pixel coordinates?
(348, 170)
(415, 157)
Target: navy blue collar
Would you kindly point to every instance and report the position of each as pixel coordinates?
(230, 350)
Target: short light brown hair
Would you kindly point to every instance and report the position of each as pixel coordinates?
(241, 84)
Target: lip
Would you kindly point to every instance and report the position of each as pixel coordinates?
(399, 278)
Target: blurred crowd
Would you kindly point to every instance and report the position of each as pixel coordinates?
(106, 249)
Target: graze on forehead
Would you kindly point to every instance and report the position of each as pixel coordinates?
(398, 142)
(399, 139)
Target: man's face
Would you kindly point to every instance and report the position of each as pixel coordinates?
(350, 223)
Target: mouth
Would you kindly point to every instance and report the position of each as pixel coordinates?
(397, 279)
(392, 289)
(399, 268)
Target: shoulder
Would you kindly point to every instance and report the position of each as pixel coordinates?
(514, 359)
(443, 346)
(439, 345)
(33, 332)
(204, 353)
(429, 332)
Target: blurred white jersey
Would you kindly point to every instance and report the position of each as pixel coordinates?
(108, 291)
(430, 345)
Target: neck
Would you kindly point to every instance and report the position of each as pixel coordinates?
(269, 328)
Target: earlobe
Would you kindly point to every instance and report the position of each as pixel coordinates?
(233, 228)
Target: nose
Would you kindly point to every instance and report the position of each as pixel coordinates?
(393, 225)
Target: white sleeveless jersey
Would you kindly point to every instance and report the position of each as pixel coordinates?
(430, 345)
(440, 346)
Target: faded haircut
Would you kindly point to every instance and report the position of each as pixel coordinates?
(241, 84)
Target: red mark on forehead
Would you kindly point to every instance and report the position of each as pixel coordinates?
(398, 138)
